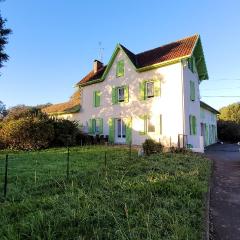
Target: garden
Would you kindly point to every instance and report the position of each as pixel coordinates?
(102, 192)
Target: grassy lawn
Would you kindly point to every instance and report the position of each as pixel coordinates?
(156, 197)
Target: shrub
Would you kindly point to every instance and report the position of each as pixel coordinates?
(65, 132)
(179, 150)
(26, 133)
(85, 139)
(228, 131)
(150, 147)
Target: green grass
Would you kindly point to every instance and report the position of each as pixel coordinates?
(156, 197)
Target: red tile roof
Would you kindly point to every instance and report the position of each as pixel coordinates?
(167, 52)
(171, 51)
(72, 106)
(93, 76)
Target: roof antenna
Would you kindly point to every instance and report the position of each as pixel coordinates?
(101, 49)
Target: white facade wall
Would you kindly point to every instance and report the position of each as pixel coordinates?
(174, 103)
(191, 107)
(169, 104)
(67, 116)
(210, 119)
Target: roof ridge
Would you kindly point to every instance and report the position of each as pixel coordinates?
(178, 49)
(196, 34)
(126, 48)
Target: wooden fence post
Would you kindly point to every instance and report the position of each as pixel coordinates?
(35, 173)
(130, 150)
(68, 162)
(105, 159)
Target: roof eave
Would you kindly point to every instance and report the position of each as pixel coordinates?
(162, 64)
(209, 108)
(201, 63)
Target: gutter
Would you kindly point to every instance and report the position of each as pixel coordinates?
(142, 69)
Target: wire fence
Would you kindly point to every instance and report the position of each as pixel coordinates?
(23, 173)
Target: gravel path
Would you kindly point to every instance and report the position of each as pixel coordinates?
(225, 192)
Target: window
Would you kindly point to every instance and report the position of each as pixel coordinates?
(192, 91)
(150, 125)
(149, 89)
(121, 94)
(95, 126)
(120, 68)
(192, 64)
(121, 128)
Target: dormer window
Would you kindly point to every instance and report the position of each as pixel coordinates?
(120, 68)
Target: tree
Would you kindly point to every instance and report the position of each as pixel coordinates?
(229, 123)
(228, 131)
(23, 111)
(230, 113)
(3, 110)
(4, 32)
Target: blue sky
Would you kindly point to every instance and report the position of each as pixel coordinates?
(54, 42)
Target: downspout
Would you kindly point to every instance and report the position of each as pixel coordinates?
(183, 94)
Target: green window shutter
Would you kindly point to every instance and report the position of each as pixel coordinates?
(129, 130)
(143, 131)
(157, 88)
(190, 64)
(193, 127)
(111, 123)
(210, 134)
(190, 124)
(97, 98)
(192, 91)
(93, 125)
(120, 68)
(90, 129)
(114, 95)
(142, 90)
(126, 94)
(100, 124)
(160, 124)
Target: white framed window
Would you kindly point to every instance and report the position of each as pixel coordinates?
(121, 94)
(150, 125)
(97, 127)
(149, 89)
(121, 128)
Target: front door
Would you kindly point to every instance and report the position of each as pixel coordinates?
(120, 131)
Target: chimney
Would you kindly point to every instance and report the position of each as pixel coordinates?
(97, 65)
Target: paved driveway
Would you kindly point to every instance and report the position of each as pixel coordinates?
(225, 192)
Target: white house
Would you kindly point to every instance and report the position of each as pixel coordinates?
(153, 94)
